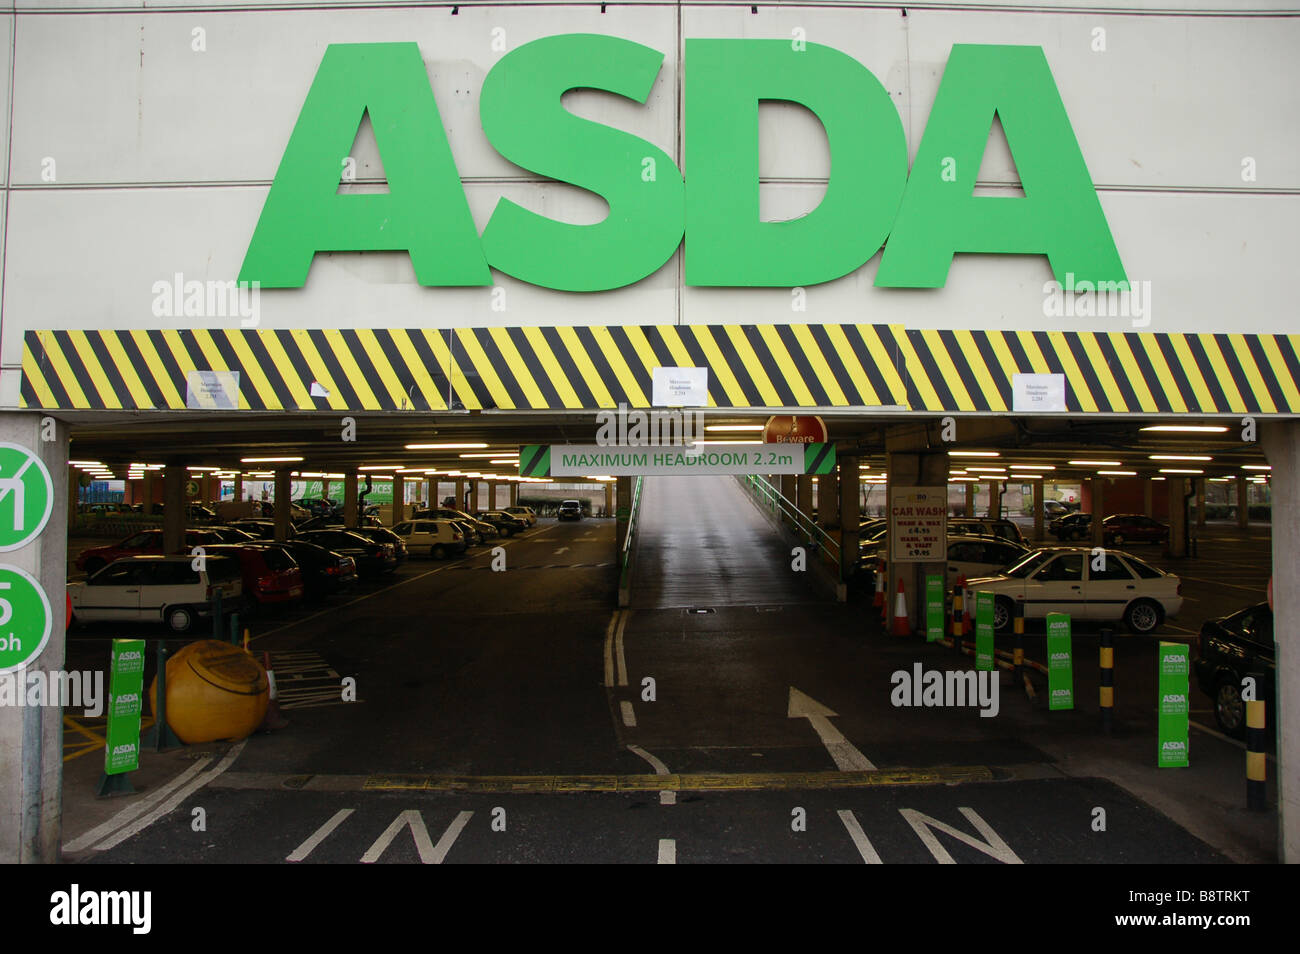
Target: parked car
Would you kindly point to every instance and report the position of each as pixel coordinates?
(507, 525)
(479, 531)
(270, 574)
(323, 571)
(1062, 580)
(372, 558)
(439, 538)
(326, 521)
(1054, 508)
(527, 514)
(569, 510)
(1121, 528)
(231, 534)
(260, 527)
(156, 588)
(1231, 649)
(319, 506)
(385, 536)
(94, 559)
(969, 555)
(1071, 526)
(986, 525)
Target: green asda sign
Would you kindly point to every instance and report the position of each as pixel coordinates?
(927, 215)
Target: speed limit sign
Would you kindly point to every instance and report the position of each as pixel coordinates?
(25, 618)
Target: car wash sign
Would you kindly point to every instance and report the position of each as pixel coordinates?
(744, 460)
(928, 214)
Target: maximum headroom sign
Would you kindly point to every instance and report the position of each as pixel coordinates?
(593, 460)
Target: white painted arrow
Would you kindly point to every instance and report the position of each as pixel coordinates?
(847, 758)
(561, 550)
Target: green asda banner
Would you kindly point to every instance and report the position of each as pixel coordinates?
(1060, 662)
(125, 701)
(1172, 721)
(984, 631)
(927, 216)
(934, 608)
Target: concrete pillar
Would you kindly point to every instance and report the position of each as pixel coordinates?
(1200, 501)
(849, 515)
(460, 493)
(70, 477)
(995, 498)
(31, 737)
(492, 495)
(239, 487)
(1148, 507)
(909, 463)
(970, 499)
(205, 488)
(148, 492)
(514, 493)
(1281, 445)
(1243, 502)
(1176, 487)
(1039, 501)
(1097, 488)
(399, 499)
(283, 491)
(828, 496)
(173, 507)
(804, 494)
(431, 492)
(609, 498)
(350, 490)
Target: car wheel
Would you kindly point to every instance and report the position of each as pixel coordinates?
(439, 552)
(1117, 540)
(1004, 612)
(179, 618)
(1142, 617)
(1229, 709)
(94, 565)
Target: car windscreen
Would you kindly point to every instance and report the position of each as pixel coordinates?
(277, 559)
(222, 569)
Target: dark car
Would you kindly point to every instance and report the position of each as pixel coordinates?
(986, 526)
(231, 534)
(1121, 528)
(1072, 526)
(507, 524)
(1231, 649)
(94, 559)
(335, 521)
(259, 527)
(319, 506)
(385, 536)
(372, 557)
(323, 571)
(271, 575)
(569, 510)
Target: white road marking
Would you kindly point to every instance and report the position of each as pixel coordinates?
(1248, 589)
(618, 646)
(561, 550)
(629, 717)
(665, 798)
(133, 811)
(324, 831)
(667, 851)
(430, 854)
(609, 649)
(847, 757)
(860, 841)
(450, 835)
(992, 845)
(166, 807)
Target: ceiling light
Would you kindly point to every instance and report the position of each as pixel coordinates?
(1175, 457)
(1256, 466)
(734, 427)
(269, 460)
(1034, 466)
(444, 446)
(1097, 463)
(1186, 428)
(973, 454)
(1172, 470)
(1119, 473)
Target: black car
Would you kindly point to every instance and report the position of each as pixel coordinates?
(1072, 526)
(507, 524)
(372, 557)
(569, 510)
(319, 506)
(260, 528)
(1231, 649)
(323, 571)
(232, 534)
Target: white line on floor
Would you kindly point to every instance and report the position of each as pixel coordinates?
(1219, 735)
(618, 644)
(665, 798)
(860, 841)
(609, 649)
(450, 835)
(133, 811)
(667, 851)
(307, 847)
(629, 717)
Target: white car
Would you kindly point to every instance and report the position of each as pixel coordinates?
(523, 513)
(157, 589)
(1066, 580)
(969, 555)
(439, 538)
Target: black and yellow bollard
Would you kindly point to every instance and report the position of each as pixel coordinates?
(957, 616)
(1106, 687)
(1256, 768)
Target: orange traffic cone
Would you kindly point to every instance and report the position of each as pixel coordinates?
(902, 622)
(274, 720)
(879, 600)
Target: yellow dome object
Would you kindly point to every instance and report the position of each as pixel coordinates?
(215, 691)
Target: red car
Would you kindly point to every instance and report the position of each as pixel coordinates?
(146, 541)
(1122, 528)
(270, 574)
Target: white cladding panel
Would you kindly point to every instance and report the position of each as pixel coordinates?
(178, 149)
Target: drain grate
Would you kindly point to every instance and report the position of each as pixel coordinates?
(769, 609)
(700, 610)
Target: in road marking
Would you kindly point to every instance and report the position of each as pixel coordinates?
(307, 847)
(430, 854)
(609, 649)
(860, 841)
(629, 717)
(667, 851)
(1219, 735)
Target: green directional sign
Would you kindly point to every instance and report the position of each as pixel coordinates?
(26, 496)
(125, 702)
(25, 618)
(984, 631)
(1173, 716)
(1060, 662)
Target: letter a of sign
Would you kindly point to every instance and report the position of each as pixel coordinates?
(1059, 215)
(424, 211)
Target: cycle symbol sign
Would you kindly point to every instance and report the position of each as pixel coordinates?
(26, 496)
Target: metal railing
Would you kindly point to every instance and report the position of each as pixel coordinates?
(782, 508)
(627, 556)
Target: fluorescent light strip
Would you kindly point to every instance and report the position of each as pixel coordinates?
(1176, 457)
(1097, 463)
